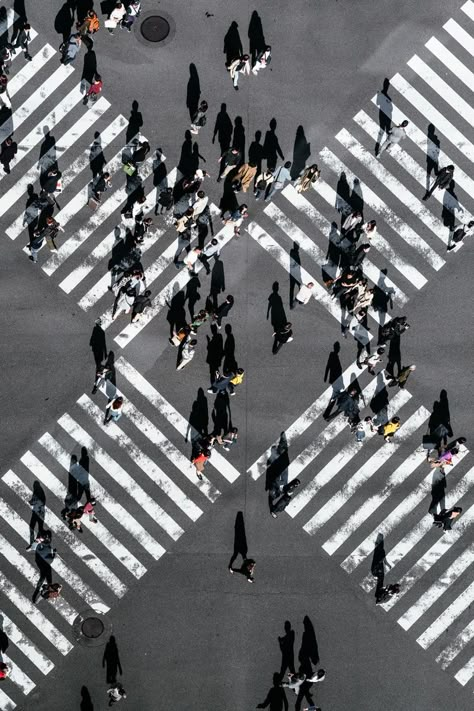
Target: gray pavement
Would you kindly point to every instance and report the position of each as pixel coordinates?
(189, 633)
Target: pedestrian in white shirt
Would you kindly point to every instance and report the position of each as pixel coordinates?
(263, 59)
(192, 258)
(187, 353)
(115, 17)
(305, 293)
(211, 250)
(239, 66)
(294, 682)
(394, 137)
(364, 428)
(200, 204)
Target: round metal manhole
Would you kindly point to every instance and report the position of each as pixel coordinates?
(92, 628)
(155, 28)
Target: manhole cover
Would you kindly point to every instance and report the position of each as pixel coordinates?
(155, 28)
(92, 627)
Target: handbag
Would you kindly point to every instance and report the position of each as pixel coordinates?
(110, 24)
(429, 442)
(129, 169)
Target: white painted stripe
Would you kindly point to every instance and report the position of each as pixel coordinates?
(396, 223)
(128, 484)
(362, 514)
(103, 212)
(434, 592)
(143, 461)
(36, 135)
(295, 234)
(427, 147)
(54, 154)
(369, 468)
(456, 646)
(25, 645)
(398, 190)
(182, 463)
(179, 282)
(58, 527)
(98, 530)
(442, 88)
(34, 616)
(465, 674)
(431, 557)
(451, 62)
(409, 541)
(6, 704)
(433, 116)
(301, 275)
(414, 169)
(109, 135)
(18, 677)
(172, 416)
(309, 454)
(31, 574)
(468, 8)
(447, 617)
(103, 249)
(27, 72)
(369, 269)
(392, 521)
(68, 575)
(459, 33)
(377, 241)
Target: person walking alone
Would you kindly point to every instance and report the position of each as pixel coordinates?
(442, 181)
(199, 119)
(223, 310)
(282, 336)
(94, 90)
(396, 134)
(8, 152)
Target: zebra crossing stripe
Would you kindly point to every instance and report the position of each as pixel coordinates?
(109, 135)
(374, 502)
(143, 461)
(380, 243)
(468, 8)
(301, 275)
(18, 677)
(396, 223)
(79, 586)
(36, 135)
(70, 137)
(431, 557)
(306, 419)
(445, 198)
(18, 81)
(460, 35)
(451, 62)
(167, 293)
(128, 484)
(147, 428)
(407, 543)
(434, 592)
(98, 530)
(398, 190)
(28, 571)
(425, 108)
(369, 468)
(446, 619)
(369, 269)
(224, 467)
(25, 645)
(465, 674)
(34, 616)
(58, 527)
(103, 212)
(6, 704)
(456, 646)
(392, 521)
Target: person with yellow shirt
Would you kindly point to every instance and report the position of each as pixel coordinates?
(236, 380)
(390, 428)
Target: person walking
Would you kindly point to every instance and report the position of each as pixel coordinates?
(50, 185)
(115, 17)
(140, 152)
(141, 302)
(295, 681)
(116, 693)
(94, 90)
(262, 183)
(279, 504)
(442, 181)
(282, 336)
(115, 408)
(395, 135)
(8, 152)
(308, 177)
(103, 374)
(187, 352)
(142, 225)
(165, 201)
(263, 60)
(22, 40)
(211, 250)
(4, 97)
(199, 205)
(200, 460)
(44, 556)
(228, 161)
(403, 375)
(364, 428)
(70, 48)
(199, 118)
(236, 380)
(247, 568)
(5, 670)
(388, 430)
(245, 174)
(237, 67)
(459, 233)
(191, 260)
(371, 360)
(229, 439)
(101, 184)
(48, 233)
(446, 518)
(223, 310)
(132, 13)
(280, 176)
(236, 217)
(89, 25)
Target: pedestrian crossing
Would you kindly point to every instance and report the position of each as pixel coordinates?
(145, 503)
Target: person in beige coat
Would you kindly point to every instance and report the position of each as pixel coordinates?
(246, 174)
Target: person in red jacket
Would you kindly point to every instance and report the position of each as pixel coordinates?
(94, 90)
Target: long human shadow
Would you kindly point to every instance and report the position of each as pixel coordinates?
(38, 506)
(223, 129)
(111, 661)
(384, 102)
(64, 19)
(276, 697)
(238, 140)
(4, 641)
(287, 648)
(215, 351)
(232, 43)
(379, 561)
(294, 272)
(135, 122)
(221, 416)
(301, 153)
(98, 344)
(230, 363)
(276, 473)
(198, 420)
(217, 285)
(275, 309)
(240, 539)
(271, 146)
(256, 152)
(193, 91)
(333, 369)
(86, 701)
(256, 37)
(309, 651)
